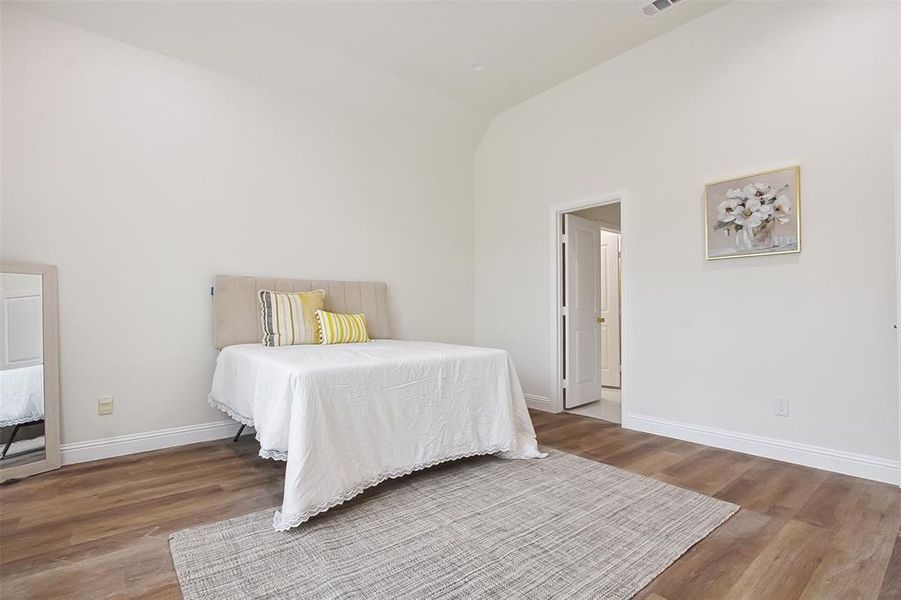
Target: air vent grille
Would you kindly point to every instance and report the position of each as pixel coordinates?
(656, 6)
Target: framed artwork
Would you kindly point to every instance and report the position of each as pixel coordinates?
(754, 215)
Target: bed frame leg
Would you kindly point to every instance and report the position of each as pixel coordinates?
(234, 439)
(9, 442)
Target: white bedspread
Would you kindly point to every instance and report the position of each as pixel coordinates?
(21, 395)
(348, 416)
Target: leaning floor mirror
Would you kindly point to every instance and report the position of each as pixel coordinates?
(29, 370)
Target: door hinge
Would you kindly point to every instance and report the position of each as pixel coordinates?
(564, 311)
(564, 384)
(564, 238)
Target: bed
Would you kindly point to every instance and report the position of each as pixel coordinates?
(21, 395)
(346, 417)
(21, 402)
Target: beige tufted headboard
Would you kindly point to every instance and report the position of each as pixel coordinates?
(236, 305)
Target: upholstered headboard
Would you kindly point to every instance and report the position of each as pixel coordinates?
(236, 305)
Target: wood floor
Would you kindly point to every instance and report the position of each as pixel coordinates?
(100, 530)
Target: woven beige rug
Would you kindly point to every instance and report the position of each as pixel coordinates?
(561, 527)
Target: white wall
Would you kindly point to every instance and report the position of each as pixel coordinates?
(142, 177)
(749, 86)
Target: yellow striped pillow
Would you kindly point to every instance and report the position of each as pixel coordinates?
(341, 329)
(290, 318)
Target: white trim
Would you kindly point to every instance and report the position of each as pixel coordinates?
(848, 463)
(150, 440)
(556, 402)
(538, 402)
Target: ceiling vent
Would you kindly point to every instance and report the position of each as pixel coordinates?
(657, 6)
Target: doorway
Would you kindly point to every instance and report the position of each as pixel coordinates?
(588, 315)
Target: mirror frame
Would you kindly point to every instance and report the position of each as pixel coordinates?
(50, 303)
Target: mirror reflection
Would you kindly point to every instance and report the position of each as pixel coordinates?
(21, 369)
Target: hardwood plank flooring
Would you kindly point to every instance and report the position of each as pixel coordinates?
(100, 530)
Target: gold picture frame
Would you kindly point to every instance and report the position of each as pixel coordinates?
(753, 215)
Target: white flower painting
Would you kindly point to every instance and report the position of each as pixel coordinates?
(754, 215)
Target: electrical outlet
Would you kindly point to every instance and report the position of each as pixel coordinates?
(780, 408)
(104, 405)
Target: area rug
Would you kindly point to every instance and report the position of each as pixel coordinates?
(561, 527)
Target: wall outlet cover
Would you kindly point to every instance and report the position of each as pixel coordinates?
(781, 407)
(104, 405)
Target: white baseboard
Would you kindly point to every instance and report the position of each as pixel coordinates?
(150, 440)
(848, 463)
(538, 402)
(838, 461)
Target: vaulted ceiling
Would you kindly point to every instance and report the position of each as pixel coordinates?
(525, 47)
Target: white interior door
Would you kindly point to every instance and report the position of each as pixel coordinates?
(21, 321)
(610, 347)
(582, 300)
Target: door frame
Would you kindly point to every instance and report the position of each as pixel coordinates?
(555, 222)
(897, 151)
(617, 229)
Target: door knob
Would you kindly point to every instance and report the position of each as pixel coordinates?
(602, 320)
